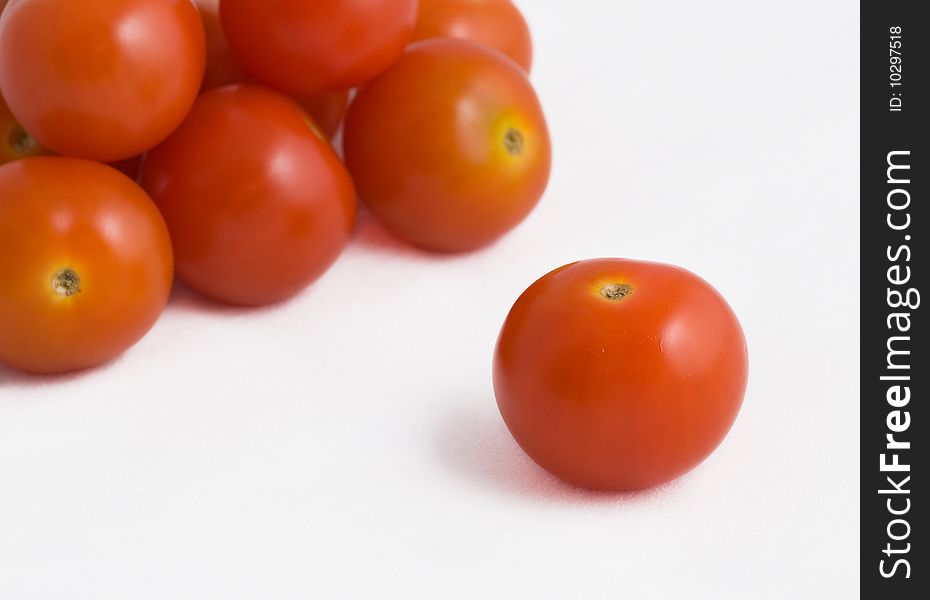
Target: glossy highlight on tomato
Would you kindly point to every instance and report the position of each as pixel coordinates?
(86, 266)
(101, 79)
(258, 205)
(305, 48)
(449, 148)
(496, 24)
(618, 375)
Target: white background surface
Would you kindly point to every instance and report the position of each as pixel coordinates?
(347, 444)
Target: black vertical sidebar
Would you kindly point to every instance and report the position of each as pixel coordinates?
(895, 369)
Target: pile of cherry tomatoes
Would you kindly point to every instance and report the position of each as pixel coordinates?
(222, 112)
(146, 139)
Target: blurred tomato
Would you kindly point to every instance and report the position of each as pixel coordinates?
(85, 266)
(304, 48)
(618, 374)
(15, 142)
(258, 205)
(458, 166)
(101, 79)
(497, 24)
(327, 109)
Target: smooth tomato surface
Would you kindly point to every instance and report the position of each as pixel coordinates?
(85, 267)
(449, 148)
(327, 108)
(15, 142)
(617, 375)
(304, 48)
(257, 204)
(101, 79)
(222, 67)
(497, 24)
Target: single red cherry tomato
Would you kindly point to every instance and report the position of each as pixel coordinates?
(327, 108)
(457, 167)
(497, 24)
(85, 267)
(101, 79)
(617, 374)
(15, 142)
(258, 205)
(304, 48)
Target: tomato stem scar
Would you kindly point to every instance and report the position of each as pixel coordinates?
(513, 142)
(66, 282)
(21, 142)
(616, 291)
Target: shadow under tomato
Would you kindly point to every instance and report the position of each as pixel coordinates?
(370, 234)
(478, 446)
(186, 299)
(11, 378)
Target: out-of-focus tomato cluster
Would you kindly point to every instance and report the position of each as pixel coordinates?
(219, 114)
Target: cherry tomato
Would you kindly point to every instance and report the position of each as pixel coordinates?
(456, 166)
(617, 374)
(304, 48)
(85, 266)
(101, 79)
(327, 109)
(257, 204)
(15, 142)
(497, 24)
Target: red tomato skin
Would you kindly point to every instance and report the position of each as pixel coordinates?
(257, 204)
(435, 167)
(64, 213)
(497, 24)
(222, 68)
(620, 394)
(305, 48)
(327, 108)
(15, 142)
(101, 79)
(131, 167)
